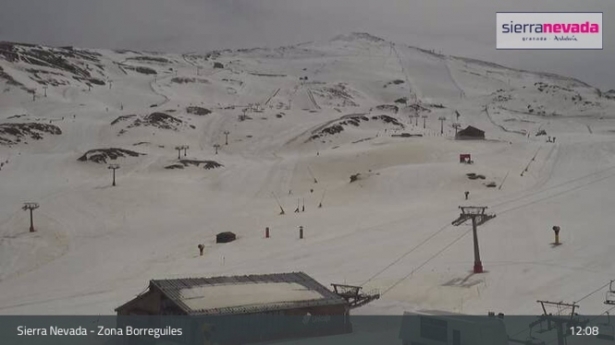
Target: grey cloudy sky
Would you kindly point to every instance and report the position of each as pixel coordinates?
(456, 27)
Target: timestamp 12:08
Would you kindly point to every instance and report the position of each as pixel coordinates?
(589, 330)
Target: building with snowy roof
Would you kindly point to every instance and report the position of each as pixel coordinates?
(269, 306)
(291, 292)
(470, 133)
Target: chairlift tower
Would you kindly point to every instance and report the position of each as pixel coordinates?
(424, 121)
(113, 167)
(478, 217)
(442, 119)
(226, 133)
(456, 125)
(216, 146)
(179, 150)
(30, 206)
(562, 322)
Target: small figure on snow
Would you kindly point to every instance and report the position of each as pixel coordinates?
(201, 248)
(467, 194)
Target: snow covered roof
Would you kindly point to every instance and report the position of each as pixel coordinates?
(246, 294)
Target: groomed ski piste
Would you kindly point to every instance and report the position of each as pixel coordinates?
(301, 120)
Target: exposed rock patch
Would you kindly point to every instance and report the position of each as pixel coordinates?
(198, 111)
(149, 59)
(141, 69)
(388, 107)
(394, 82)
(157, 119)
(186, 80)
(102, 155)
(389, 119)
(207, 165)
(13, 133)
(122, 118)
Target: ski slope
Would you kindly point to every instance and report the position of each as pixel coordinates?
(97, 246)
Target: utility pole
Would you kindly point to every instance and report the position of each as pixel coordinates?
(424, 121)
(226, 133)
(478, 217)
(31, 206)
(442, 119)
(217, 146)
(113, 167)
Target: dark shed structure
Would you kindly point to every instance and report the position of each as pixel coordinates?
(225, 237)
(470, 133)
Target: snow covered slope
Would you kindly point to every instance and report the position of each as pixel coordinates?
(301, 120)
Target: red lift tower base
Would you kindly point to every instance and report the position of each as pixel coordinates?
(478, 217)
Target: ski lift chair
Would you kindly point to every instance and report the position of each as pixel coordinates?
(610, 295)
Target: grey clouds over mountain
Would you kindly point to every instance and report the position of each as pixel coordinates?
(465, 28)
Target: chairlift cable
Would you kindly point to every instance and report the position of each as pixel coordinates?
(406, 254)
(426, 262)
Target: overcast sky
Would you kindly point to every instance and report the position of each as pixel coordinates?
(456, 27)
